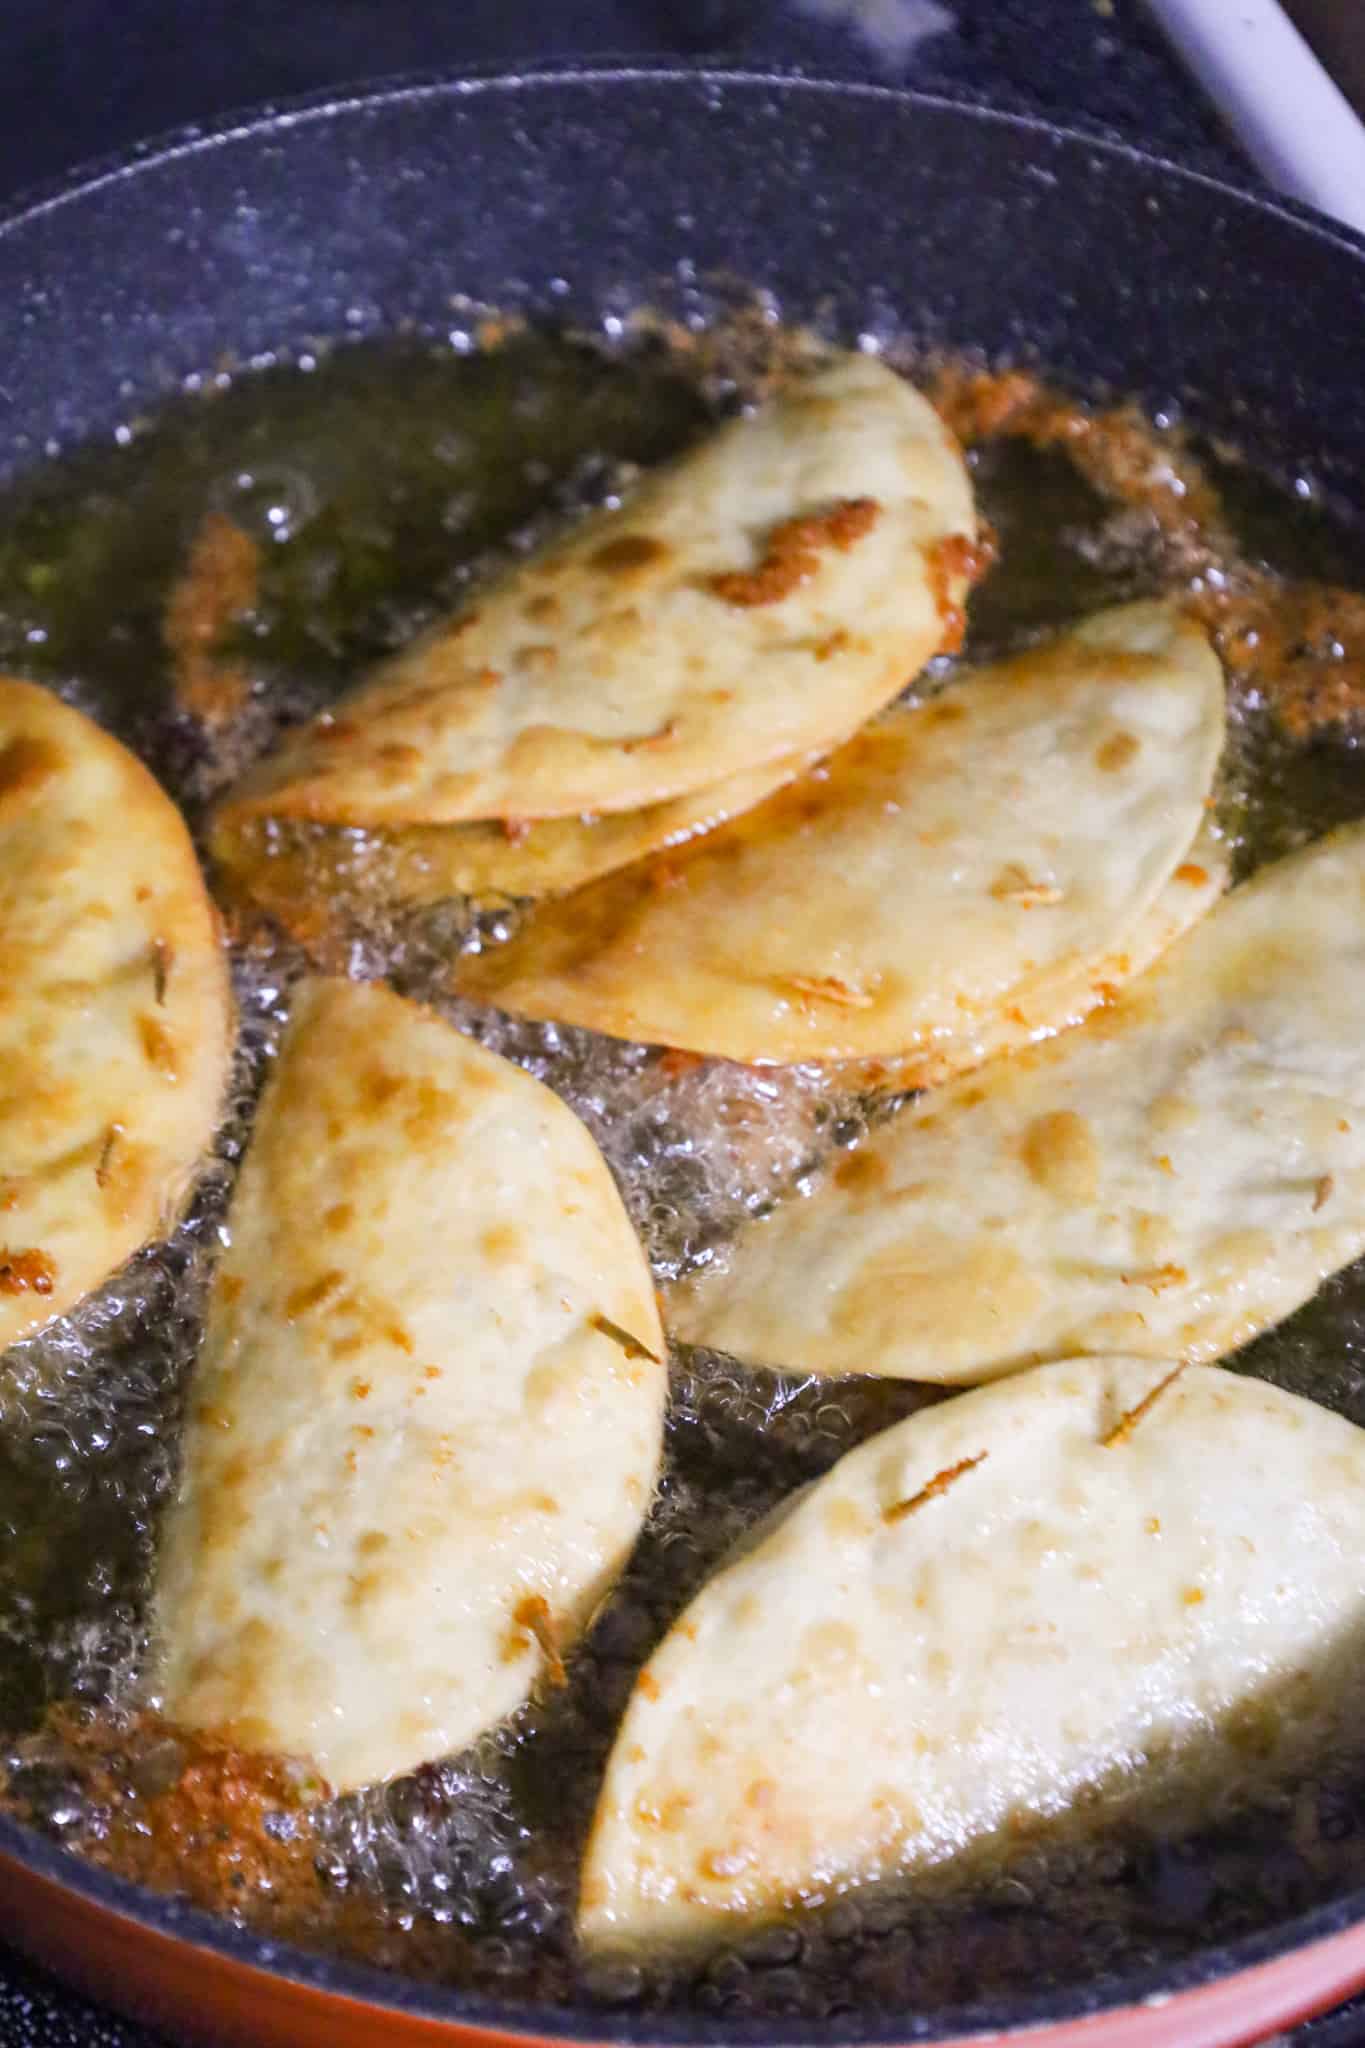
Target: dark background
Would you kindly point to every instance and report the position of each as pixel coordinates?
(80, 79)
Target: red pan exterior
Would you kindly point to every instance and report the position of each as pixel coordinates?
(878, 212)
(201, 1996)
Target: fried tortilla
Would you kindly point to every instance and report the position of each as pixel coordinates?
(318, 881)
(115, 1009)
(760, 597)
(426, 1423)
(1179, 1172)
(1091, 1577)
(929, 886)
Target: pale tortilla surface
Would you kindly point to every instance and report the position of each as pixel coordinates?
(115, 1010)
(971, 1619)
(954, 863)
(1179, 1172)
(426, 1423)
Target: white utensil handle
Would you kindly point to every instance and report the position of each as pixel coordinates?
(1294, 122)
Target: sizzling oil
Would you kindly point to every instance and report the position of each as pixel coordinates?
(376, 485)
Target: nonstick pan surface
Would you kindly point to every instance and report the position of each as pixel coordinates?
(584, 195)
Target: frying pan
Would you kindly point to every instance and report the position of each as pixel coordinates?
(873, 213)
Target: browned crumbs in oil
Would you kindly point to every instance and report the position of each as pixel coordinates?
(223, 1828)
(957, 556)
(217, 587)
(1298, 646)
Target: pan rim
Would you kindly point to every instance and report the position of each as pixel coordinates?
(154, 153)
(1157, 1987)
(163, 1914)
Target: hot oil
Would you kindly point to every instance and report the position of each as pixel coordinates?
(375, 487)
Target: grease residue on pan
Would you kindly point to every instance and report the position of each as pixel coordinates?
(372, 488)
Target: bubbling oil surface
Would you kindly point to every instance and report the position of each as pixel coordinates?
(379, 484)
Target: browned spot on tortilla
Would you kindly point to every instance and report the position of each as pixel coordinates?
(947, 561)
(536, 655)
(940, 1483)
(516, 831)
(500, 1242)
(832, 644)
(27, 1271)
(658, 738)
(1014, 884)
(312, 1293)
(791, 552)
(632, 1346)
(648, 1684)
(1060, 1155)
(534, 1622)
(861, 1170)
(1191, 872)
(1129, 1421)
(27, 764)
(218, 586)
(1322, 1193)
(378, 1087)
(829, 988)
(914, 1286)
(106, 1153)
(339, 1216)
(628, 554)
(1158, 1279)
(543, 609)
(1117, 751)
(396, 763)
(158, 1047)
(163, 958)
(666, 1813)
